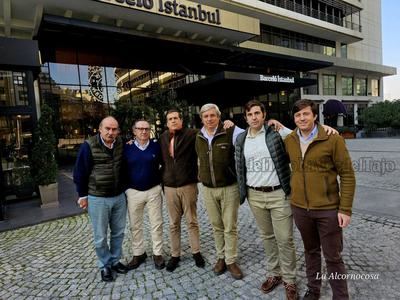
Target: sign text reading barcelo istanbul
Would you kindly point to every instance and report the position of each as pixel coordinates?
(195, 12)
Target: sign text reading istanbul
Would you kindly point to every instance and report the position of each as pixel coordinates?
(195, 12)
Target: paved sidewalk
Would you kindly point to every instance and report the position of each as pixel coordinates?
(56, 260)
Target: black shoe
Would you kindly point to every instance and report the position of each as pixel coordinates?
(120, 268)
(158, 262)
(173, 263)
(199, 260)
(137, 261)
(107, 274)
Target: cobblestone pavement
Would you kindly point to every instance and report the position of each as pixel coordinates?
(376, 162)
(57, 259)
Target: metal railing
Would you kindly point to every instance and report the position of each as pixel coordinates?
(314, 13)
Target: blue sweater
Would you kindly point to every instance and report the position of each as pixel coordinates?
(142, 167)
(82, 170)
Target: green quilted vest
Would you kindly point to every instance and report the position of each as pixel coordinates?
(217, 164)
(104, 181)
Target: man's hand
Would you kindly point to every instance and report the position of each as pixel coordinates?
(130, 142)
(83, 202)
(228, 124)
(343, 219)
(278, 125)
(329, 130)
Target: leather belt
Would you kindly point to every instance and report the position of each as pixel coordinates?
(265, 189)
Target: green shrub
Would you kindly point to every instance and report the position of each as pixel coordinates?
(382, 114)
(43, 161)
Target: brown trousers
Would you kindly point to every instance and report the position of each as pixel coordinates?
(183, 201)
(320, 228)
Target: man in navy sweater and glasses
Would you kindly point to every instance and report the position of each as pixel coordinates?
(142, 161)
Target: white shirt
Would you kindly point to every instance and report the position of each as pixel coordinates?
(260, 167)
(209, 138)
(140, 146)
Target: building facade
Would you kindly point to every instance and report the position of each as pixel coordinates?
(84, 56)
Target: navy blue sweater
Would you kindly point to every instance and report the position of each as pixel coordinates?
(142, 167)
(82, 170)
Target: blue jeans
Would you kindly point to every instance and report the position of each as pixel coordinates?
(107, 212)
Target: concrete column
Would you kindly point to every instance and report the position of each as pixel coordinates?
(356, 114)
(320, 113)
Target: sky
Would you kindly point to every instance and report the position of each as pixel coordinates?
(391, 47)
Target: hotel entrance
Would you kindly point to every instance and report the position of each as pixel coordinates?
(132, 67)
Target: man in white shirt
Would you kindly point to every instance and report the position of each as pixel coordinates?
(263, 173)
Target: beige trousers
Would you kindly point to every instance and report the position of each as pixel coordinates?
(222, 206)
(274, 219)
(137, 200)
(183, 201)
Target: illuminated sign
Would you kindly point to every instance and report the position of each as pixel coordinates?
(277, 78)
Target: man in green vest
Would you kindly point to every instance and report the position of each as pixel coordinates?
(98, 182)
(215, 150)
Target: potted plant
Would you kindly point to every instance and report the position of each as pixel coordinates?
(43, 161)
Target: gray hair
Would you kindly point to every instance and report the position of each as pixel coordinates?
(209, 106)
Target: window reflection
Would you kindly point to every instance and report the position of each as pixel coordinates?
(64, 73)
(13, 88)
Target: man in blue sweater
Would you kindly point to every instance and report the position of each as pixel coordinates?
(142, 160)
(98, 182)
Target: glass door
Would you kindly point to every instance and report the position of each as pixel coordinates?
(15, 141)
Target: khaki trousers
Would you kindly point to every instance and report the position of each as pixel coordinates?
(137, 200)
(222, 206)
(274, 219)
(183, 201)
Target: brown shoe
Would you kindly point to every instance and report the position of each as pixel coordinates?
(291, 291)
(159, 262)
(271, 283)
(220, 267)
(235, 271)
(137, 261)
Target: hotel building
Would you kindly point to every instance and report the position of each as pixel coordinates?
(83, 56)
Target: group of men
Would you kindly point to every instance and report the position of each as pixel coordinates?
(283, 174)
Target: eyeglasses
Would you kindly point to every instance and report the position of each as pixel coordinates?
(142, 129)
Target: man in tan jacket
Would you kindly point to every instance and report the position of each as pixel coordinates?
(321, 207)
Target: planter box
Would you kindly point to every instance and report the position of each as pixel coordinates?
(348, 135)
(49, 195)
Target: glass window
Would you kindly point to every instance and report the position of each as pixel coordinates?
(112, 76)
(329, 84)
(343, 50)
(92, 75)
(347, 86)
(13, 89)
(15, 138)
(361, 86)
(375, 87)
(64, 73)
(330, 51)
(349, 117)
(312, 89)
(361, 108)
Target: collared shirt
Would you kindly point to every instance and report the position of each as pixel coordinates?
(104, 143)
(310, 137)
(140, 146)
(260, 167)
(209, 138)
